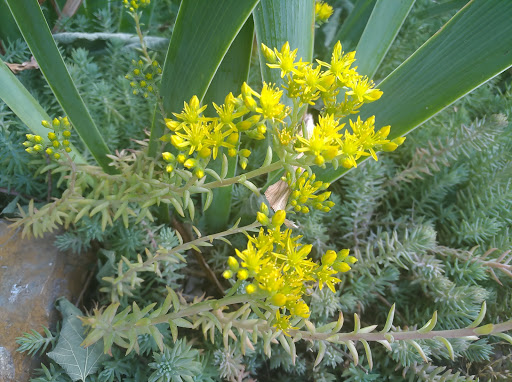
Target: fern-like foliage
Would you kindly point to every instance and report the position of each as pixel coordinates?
(34, 342)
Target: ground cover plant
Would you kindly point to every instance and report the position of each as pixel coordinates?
(220, 150)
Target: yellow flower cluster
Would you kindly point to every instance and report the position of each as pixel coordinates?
(322, 12)
(304, 192)
(199, 138)
(59, 139)
(132, 5)
(143, 78)
(276, 266)
(330, 140)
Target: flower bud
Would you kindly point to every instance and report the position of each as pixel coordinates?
(46, 124)
(351, 259)
(242, 274)
(268, 53)
(190, 163)
(168, 157)
(55, 122)
(233, 263)
(232, 139)
(329, 258)
(227, 274)
(199, 173)
(278, 299)
(177, 141)
(264, 208)
(278, 218)
(342, 255)
(181, 158)
(250, 288)
(341, 267)
(245, 153)
(262, 218)
(52, 136)
(205, 152)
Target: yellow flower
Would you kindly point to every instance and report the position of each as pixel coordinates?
(322, 11)
(340, 64)
(191, 111)
(285, 59)
(362, 89)
(193, 135)
(325, 276)
(271, 108)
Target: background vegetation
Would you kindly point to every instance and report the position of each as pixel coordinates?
(430, 222)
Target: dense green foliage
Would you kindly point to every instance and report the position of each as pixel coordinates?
(429, 224)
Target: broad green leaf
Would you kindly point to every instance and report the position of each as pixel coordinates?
(21, 102)
(230, 76)
(435, 9)
(279, 21)
(98, 41)
(353, 26)
(380, 32)
(78, 362)
(8, 28)
(34, 28)
(471, 48)
(203, 32)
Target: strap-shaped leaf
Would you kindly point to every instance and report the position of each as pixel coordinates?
(279, 21)
(380, 32)
(229, 77)
(36, 32)
(352, 28)
(203, 32)
(8, 28)
(21, 102)
(473, 47)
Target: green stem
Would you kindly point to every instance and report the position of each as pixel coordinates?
(251, 174)
(184, 247)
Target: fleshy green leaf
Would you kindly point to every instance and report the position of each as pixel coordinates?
(78, 362)
(35, 30)
(473, 47)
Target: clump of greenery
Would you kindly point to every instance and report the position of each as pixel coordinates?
(427, 226)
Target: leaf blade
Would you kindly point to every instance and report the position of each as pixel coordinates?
(35, 30)
(78, 362)
(201, 37)
(380, 32)
(472, 48)
(25, 106)
(230, 76)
